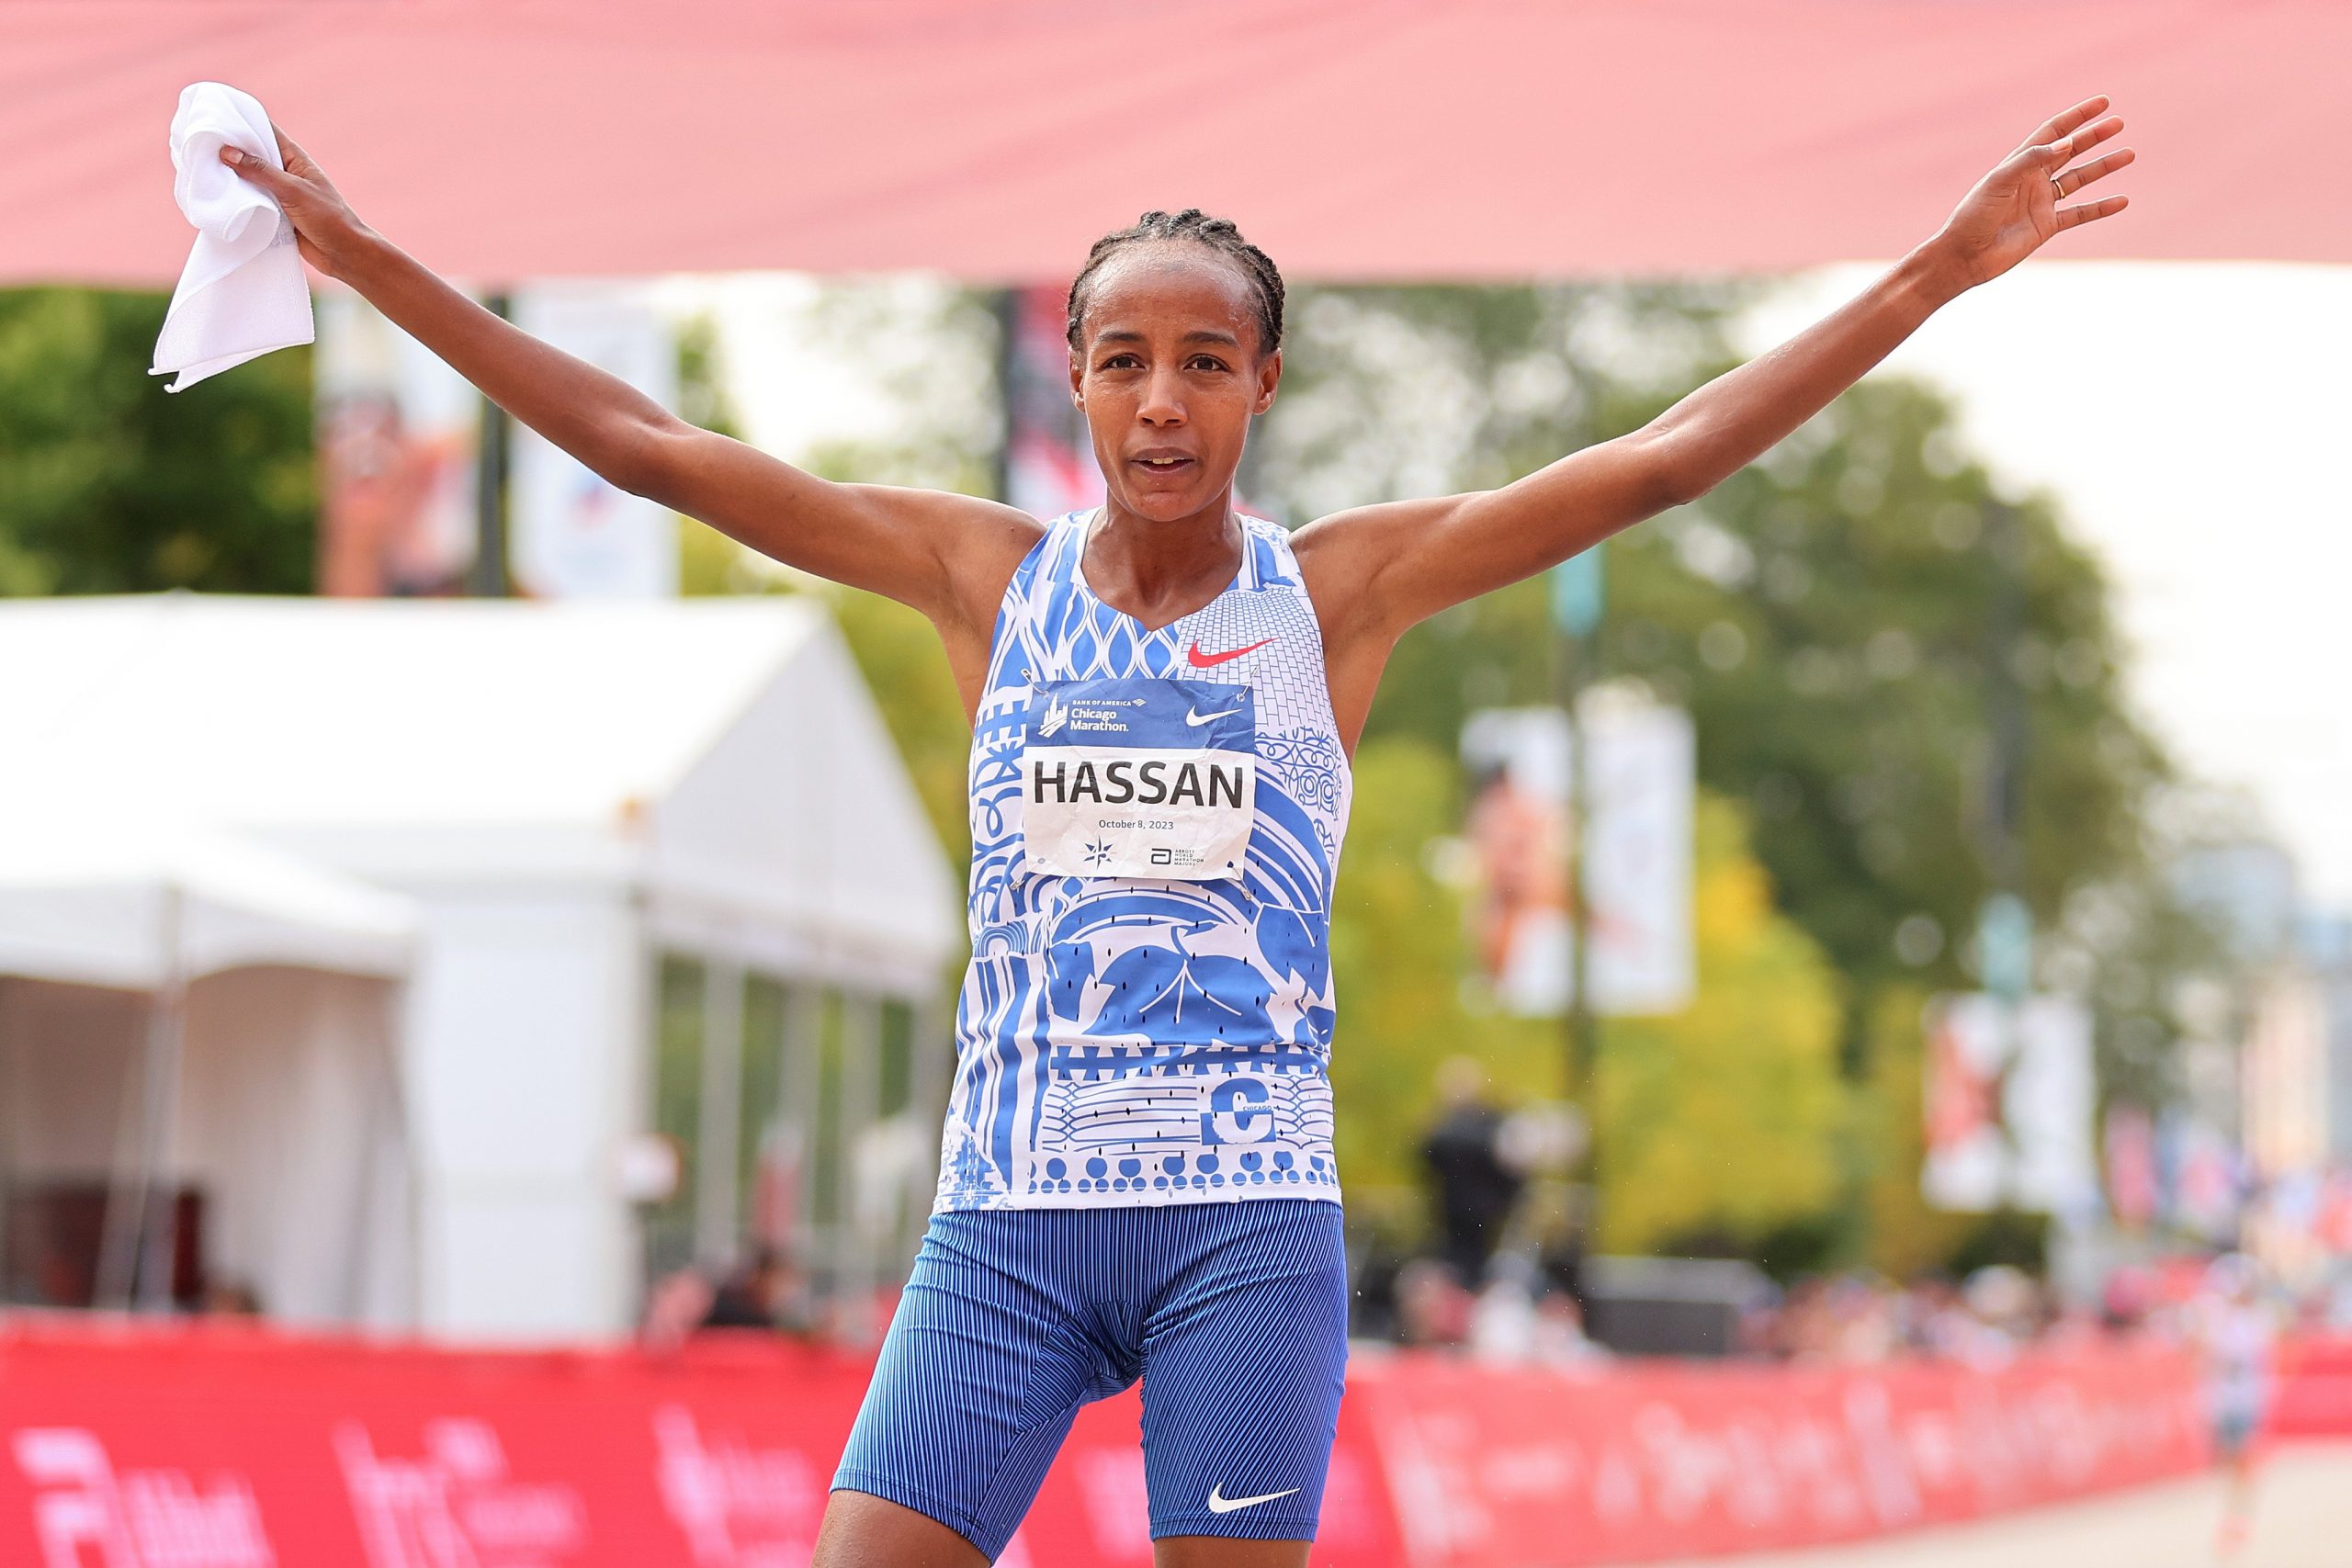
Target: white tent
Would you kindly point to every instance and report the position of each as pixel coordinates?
(142, 959)
(122, 898)
(567, 791)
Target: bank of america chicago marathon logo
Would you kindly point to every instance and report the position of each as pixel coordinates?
(1081, 716)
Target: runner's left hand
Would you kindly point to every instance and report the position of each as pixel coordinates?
(2016, 208)
(327, 233)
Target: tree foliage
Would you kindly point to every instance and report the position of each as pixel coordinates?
(109, 484)
(935, 371)
(1722, 1118)
(1838, 619)
(1827, 614)
(1718, 1119)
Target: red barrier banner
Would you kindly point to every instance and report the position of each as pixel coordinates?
(2314, 1398)
(1549, 1468)
(220, 1446)
(217, 1448)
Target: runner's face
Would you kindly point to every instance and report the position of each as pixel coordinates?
(1169, 375)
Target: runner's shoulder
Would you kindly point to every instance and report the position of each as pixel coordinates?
(979, 543)
(970, 523)
(1341, 553)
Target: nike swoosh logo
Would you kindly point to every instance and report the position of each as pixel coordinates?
(1197, 719)
(1220, 1503)
(1211, 660)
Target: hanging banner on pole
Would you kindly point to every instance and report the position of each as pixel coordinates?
(2008, 1103)
(576, 536)
(399, 433)
(1637, 854)
(1049, 459)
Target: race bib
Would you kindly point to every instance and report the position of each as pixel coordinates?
(1140, 777)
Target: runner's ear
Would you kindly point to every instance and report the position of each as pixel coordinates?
(1270, 375)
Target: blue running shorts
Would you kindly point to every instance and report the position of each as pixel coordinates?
(1233, 1315)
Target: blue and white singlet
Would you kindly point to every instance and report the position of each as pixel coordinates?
(1155, 820)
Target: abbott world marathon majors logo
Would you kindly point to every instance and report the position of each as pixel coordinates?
(88, 1512)
(455, 1506)
(1140, 777)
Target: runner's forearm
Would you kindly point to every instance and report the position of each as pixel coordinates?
(1743, 413)
(600, 419)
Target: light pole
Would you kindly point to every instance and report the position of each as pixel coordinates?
(1578, 601)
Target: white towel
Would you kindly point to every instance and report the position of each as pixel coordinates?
(243, 292)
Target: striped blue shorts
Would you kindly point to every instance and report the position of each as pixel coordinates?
(1233, 1315)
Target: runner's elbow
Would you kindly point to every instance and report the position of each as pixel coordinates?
(647, 457)
(1671, 475)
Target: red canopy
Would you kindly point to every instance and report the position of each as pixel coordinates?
(1354, 138)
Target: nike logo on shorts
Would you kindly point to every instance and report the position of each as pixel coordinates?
(1221, 1504)
(1211, 660)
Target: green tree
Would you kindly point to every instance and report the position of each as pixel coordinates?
(1826, 614)
(1722, 1119)
(1399, 948)
(937, 443)
(1718, 1118)
(108, 484)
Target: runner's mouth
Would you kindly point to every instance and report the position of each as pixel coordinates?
(1164, 465)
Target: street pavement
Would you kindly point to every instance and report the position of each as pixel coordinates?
(2302, 1519)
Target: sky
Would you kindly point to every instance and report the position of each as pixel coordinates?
(2188, 418)
(2191, 419)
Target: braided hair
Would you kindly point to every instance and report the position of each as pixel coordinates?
(1218, 234)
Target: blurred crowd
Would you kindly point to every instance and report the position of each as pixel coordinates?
(1503, 1279)
(764, 1289)
(1989, 1315)
(1522, 1310)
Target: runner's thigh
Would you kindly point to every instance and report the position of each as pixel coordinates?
(978, 1379)
(1243, 1367)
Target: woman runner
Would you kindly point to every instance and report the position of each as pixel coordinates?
(1136, 1177)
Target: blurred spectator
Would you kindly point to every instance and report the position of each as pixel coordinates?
(230, 1298)
(674, 1308)
(1432, 1306)
(1475, 1189)
(1559, 1332)
(764, 1290)
(2336, 1307)
(1502, 1319)
(1373, 1304)
(2234, 1328)
(1521, 1317)
(1561, 1257)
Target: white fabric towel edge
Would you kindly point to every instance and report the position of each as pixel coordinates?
(243, 292)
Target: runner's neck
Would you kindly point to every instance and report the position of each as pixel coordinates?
(1158, 573)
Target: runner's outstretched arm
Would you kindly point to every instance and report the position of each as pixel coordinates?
(946, 555)
(1378, 570)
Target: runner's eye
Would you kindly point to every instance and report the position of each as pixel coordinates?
(1120, 361)
(1208, 362)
